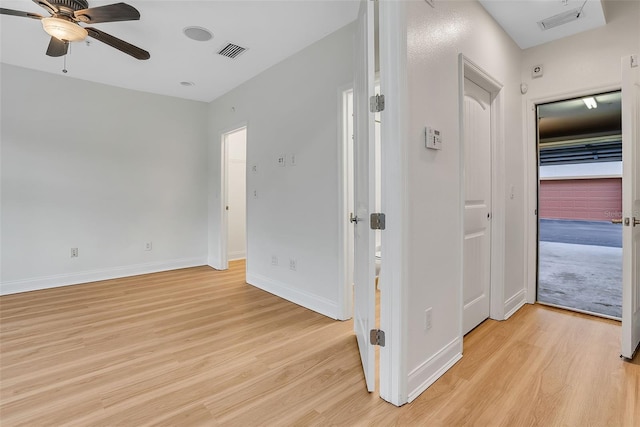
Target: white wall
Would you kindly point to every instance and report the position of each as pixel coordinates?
(435, 37)
(582, 64)
(102, 169)
(237, 194)
(291, 109)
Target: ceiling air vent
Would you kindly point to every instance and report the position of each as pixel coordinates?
(560, 19)
(231, 51)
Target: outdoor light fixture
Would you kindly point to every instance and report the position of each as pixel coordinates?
(63, 29)
(590, 102)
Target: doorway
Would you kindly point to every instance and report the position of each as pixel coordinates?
(234, 144)
(579, 195)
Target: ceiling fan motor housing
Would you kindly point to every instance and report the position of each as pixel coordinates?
(66, 6)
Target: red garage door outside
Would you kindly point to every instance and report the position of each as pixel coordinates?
(581, 199)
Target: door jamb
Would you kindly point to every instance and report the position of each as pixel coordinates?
(223, 242)
(498, 307)
(531, 180)
(394, 282)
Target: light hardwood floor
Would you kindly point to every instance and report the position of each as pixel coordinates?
(200, 347)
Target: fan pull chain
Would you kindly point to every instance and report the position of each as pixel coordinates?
(64, 69)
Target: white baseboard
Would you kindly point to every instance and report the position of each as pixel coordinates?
(514, 303)
(305, 299)
(46, 282)
(237, 255)
(433, 368)
(215, 263)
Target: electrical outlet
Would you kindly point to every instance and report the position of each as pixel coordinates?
(274, 260)
(148, 246)
(74, 252)
(282, 160)
(254, 168)
(292, 159)
(293, 264)
(428, 322)
(255, 194)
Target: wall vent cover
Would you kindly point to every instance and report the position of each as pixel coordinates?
(231, 51)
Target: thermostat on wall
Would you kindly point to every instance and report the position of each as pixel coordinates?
(433, 138)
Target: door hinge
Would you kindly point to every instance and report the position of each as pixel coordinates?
(377, 221)
(376, 337)
(376, 103)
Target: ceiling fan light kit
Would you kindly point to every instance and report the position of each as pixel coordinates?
(64, 24)
(63, 29)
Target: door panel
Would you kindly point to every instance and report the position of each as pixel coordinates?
(630, 207)
(477, 207)
(236, 207)
(364, 195)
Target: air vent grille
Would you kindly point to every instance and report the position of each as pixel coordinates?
(231, 51)
(560, 19)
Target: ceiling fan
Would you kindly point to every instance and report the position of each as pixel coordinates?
(64, 24)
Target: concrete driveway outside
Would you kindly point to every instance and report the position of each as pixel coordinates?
(580, 265)
(594, 233)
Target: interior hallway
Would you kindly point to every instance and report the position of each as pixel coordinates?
(200, 347)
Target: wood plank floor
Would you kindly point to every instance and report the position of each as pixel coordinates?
(200, 347)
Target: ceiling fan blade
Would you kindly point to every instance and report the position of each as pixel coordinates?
(57, 47)
(115, 42)
(12, 12)
(109, 13)
(48, 6)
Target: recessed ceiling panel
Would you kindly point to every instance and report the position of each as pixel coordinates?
(534, 22)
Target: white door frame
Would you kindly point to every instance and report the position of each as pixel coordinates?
(395, 203)
(224, 184)
(531, 181)
(500, 309)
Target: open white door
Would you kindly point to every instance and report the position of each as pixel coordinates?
(630, 205)
(364, 196)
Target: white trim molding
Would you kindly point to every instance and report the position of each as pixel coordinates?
(305, 299)
(513, 304)
(59, 280)
(433, 368)
(394, 278)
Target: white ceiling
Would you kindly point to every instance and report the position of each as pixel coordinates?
(271, 30)
(519, 18)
